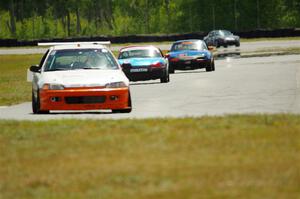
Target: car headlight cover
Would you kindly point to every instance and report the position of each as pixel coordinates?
(116, 85)
(53, 87)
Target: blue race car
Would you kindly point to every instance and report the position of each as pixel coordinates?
(190, 54)
(144, 63)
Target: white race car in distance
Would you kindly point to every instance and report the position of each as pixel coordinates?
(79, 77)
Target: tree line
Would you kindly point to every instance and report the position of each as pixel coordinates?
(31, 19)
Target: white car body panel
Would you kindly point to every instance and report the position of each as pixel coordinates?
(29, 77)
(82, 78)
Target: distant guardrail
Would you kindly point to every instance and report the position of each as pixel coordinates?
(290, 32)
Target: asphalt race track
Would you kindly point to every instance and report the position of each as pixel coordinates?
(245, 47)
(239, 85)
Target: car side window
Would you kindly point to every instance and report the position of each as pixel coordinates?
(123, 55)
(43, 59)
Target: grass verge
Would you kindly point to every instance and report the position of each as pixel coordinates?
(13, 86)
(212, 157)
(242, 40)
(269, 39)
(289, 50)
(170, 42)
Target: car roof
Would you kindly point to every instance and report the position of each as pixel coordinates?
(138, 48)
(78, 46)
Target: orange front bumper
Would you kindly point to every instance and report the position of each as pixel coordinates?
(84, 99)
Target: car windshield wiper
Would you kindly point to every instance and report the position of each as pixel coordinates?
(56, 69)
(90, 68)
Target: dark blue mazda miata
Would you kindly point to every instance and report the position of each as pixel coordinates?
(190, 54)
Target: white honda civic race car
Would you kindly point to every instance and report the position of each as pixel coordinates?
(79, 77)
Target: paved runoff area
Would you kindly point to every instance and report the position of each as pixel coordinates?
(238, 86)
(245, 47)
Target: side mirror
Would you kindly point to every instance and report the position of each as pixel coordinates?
(35, 69)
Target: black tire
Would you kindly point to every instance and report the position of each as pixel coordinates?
(225, 45)
(211, 67)
(171, 70)
(165, 78)
(238, 44)
(217, 45)
(36, 106)
(126, 110)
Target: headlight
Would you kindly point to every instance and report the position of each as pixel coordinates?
(116, 85)
(53, 87)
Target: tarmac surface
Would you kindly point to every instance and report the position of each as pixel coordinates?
(245, 47)
(238, 86)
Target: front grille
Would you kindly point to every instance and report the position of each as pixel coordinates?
(136, 67)
(85, 100)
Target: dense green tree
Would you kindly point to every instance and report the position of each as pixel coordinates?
(28, 19)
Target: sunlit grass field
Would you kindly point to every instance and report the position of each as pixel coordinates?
(269, 39)
(221, 157)
(170, 42)
(13, 86)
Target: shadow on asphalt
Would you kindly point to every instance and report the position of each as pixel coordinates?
(143, 83)
(224, 53)
(181, 72)
(221, 56)
(76, 113)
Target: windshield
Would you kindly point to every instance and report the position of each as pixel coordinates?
(80, 59)
(225, 33)
(139, 53)
(188, 45)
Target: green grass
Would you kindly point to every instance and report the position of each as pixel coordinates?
(269, 39)
(170, 42)
(221, 157)
(242, 40)
(113, 44)
(142, 43)
(272, 52)
(13, 86)
(288, 50)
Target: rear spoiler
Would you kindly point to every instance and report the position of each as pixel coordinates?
(105, 43)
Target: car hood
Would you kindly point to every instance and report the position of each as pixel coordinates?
(135, 62)
(190, 53)
(83, 78)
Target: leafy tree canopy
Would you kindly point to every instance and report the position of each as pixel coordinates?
(30, 19)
